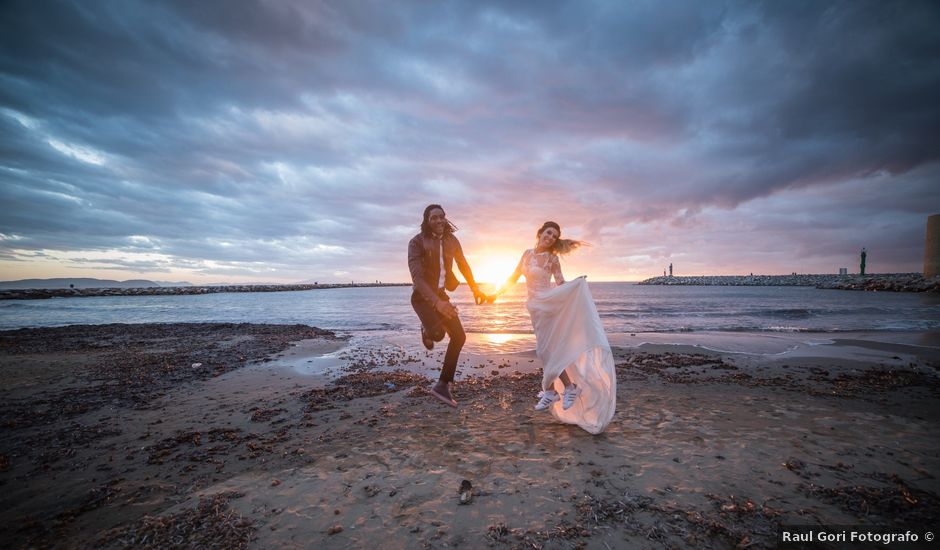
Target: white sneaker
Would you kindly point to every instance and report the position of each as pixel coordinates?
(571, 393)
(548, 398)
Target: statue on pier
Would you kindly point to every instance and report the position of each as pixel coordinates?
(670, 269)
(862, 266)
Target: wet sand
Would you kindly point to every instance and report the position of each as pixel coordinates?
(289, 437)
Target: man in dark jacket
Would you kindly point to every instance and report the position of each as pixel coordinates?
(431, 255)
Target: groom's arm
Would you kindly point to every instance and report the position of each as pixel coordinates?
(416, 267)
(464, 268)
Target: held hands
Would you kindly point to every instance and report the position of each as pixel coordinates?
(481, 297)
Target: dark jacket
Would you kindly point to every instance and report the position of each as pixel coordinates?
(425, 266)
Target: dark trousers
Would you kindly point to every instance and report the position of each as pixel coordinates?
(436, 324)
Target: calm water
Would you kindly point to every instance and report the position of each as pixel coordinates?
(623, 307)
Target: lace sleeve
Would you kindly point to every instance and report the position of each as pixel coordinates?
(556, 270)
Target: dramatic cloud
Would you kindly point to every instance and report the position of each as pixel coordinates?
(287, 141)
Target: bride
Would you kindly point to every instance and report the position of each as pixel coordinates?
(570, 339)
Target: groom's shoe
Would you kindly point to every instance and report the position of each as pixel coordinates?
(441, 390)
(426, 339)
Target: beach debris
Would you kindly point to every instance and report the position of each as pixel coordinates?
(359, 384)
(694, 368)
(529, 538)
(135, 364)
(187, 446)
(680, 368)
(496, 532)
(263, 415)
(334, 530)
(868, 382)
(466, 491)
(736, 521)
(898, 501)
(211, 524)
(365, 359)
(96, 498)
(197, 365)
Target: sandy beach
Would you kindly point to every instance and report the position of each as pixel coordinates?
(287, 436)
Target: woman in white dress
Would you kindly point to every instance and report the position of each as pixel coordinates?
(570, 339)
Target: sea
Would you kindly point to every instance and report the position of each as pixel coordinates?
(712, 316)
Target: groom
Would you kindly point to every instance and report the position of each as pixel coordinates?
(431, 255)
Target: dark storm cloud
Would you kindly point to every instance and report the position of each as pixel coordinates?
(292, 133)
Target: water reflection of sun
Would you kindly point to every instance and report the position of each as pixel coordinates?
(499, 339)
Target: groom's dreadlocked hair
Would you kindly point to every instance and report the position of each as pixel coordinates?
(426, 226)
(561, 246)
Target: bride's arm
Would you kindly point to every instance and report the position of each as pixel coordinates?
(556, 271)
(512, 278)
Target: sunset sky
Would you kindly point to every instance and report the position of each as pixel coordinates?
(289, 141)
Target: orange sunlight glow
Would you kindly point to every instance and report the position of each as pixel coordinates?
(493, 268)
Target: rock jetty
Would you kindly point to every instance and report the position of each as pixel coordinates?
(43, 293)
(893, 282)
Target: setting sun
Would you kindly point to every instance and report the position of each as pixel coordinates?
(493, 268)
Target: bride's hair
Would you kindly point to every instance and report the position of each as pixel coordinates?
(561, 246)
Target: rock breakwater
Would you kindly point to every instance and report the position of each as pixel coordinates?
(44, 293)
(892, 282)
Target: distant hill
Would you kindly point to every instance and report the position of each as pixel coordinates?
(77, 282)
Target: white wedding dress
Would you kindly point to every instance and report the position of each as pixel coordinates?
(569, 337)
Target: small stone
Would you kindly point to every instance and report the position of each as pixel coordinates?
(335, 529)
(466, 492)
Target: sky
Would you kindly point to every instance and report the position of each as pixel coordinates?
(288, 141)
